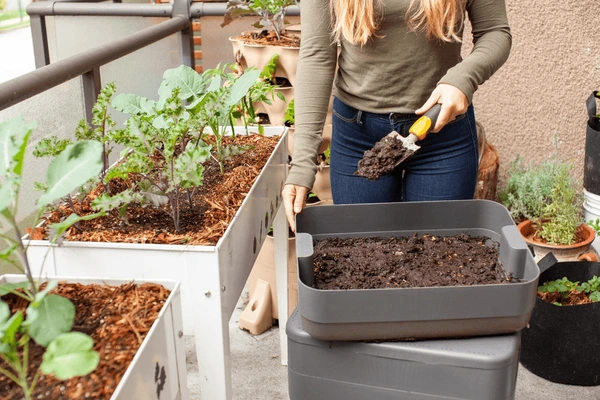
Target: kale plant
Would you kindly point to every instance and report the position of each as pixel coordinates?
(565, 287)
(49, 317)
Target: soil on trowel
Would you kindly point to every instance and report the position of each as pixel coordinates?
(382, 159)
(269, 38)
(404, 262)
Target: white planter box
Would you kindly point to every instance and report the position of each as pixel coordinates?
(164, 345)
(212, 277)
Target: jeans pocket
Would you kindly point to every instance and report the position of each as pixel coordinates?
(458, 118)
(344, 112)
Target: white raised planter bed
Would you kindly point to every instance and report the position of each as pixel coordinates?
(212, 277)
(163, 345)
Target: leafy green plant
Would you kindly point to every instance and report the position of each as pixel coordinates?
(49, 318)
(547, 195)
(289, 117)
(164, 138)
(565, 287)
(595, 225)
(271, 13)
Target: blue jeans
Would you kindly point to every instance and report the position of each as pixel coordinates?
(444, 168)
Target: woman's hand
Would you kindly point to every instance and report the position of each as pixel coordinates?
(454, 102)
(294, 200)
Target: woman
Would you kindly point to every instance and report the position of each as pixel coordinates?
(398, 58)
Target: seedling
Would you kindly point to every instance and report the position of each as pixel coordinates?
(49, 318)
(565, 287)
(271, 13)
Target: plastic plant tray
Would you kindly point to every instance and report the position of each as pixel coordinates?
(426, 312)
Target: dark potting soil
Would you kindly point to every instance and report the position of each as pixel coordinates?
(117, 318)
(382, 159)
(404, 262)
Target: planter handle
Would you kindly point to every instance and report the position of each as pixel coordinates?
(546, 262)
(588, 257)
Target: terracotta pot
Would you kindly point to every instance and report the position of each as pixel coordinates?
(572, 252)
(252, 55)
(322, 186)
(276, 110)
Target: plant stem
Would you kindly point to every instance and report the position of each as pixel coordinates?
(22, 254)
(189, 195)
(10, 376)
(34, 381)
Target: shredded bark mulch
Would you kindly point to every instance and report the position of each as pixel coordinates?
(269, 38)
(404, 262)
(214, 205)
(573, 298)
(118, 318)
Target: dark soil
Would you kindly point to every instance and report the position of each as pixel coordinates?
(572, 298)
(269, 38)
(403, 262)
(214, 205)
(117, 318)
(382, 159)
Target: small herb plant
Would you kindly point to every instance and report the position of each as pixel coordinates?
(289, 116)
(595, 225)
(48, 319)
(547, 195)
(565, 288)
(271, 13)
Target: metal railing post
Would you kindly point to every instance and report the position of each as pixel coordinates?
(39, 37)
(182, 8)
(91, 85)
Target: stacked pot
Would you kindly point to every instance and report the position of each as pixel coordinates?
(591, 172)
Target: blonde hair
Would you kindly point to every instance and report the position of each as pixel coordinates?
(357, 21)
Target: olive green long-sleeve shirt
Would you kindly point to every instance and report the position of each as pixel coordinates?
(395, 73)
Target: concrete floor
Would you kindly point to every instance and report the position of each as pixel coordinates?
(258, 374)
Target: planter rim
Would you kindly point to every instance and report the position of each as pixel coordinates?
(526, 225)
(234, 39)
(156, 246)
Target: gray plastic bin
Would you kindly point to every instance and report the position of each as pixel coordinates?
(429, 312)
(483, 368)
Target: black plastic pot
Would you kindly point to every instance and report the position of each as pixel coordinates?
(591, 170)
(561, 343)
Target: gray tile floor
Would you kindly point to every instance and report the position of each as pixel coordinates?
(258, 374)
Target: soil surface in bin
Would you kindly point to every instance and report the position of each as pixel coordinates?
(403, 262)
(117, 318)
(203, 220)
(269, 38)
(383, 158)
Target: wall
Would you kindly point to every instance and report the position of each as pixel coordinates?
(540, 92)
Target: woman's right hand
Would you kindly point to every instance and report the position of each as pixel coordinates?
(294, 200)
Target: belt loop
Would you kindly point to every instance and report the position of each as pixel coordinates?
(359, 118)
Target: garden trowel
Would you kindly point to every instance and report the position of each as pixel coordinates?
(394, 149)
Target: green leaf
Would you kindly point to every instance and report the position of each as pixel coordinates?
(595, 296)
(133, 104)
(188, 166)
(53, 316)
(12, 139)
(7, 288)
(39, 297)
(61, 227)
(240, 87)
(106, 202)
(50, 146)
(190, 83)
(76, 165)
(69, 355)
(7, 193)
(161, 123)
(4, 312)
(8, 331)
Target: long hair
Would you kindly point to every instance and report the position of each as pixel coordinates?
(357, 21)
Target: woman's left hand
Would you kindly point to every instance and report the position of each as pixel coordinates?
(453, 100)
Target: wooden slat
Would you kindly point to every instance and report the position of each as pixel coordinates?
(198, 55)
(197, 40)
(196, 26)
(199, 69)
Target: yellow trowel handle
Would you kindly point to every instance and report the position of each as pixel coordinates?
(423, 125)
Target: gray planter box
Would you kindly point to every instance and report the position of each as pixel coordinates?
(429, 312)
(473, 369)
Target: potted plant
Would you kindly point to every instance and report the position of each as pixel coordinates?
(256, 48)
(545, 203)
(559, 343)
(179, 231)
(70, 331)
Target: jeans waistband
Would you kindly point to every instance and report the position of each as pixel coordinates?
(393, 117)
